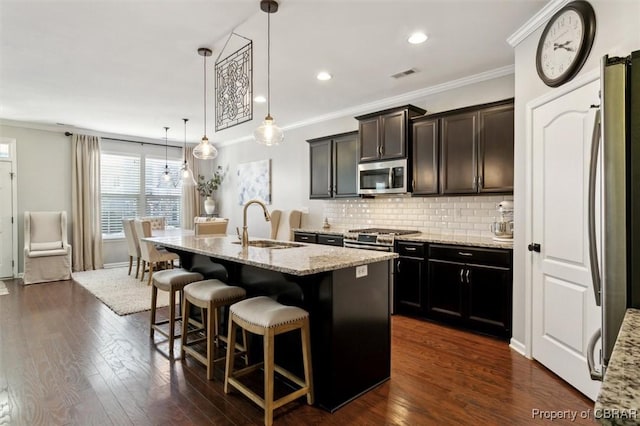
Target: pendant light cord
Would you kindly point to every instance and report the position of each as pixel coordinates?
(269, 63)
(166, 129)
(184, 149)
(205, 94)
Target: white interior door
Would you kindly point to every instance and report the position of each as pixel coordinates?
(6, 226)
(564, 313)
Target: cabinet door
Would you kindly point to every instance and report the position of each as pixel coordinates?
(445, 292)
(425, 157)
(394, 135)
(458, 163)
(369, 130)
(408, 286)
(495, 149)
(489, 299)
(345, 166)
(320, 164)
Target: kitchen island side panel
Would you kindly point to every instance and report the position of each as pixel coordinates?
(352, 315)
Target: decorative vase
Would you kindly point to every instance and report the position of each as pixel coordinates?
(209, 205)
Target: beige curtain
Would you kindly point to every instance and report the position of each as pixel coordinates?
(85, 203)
(190, 196)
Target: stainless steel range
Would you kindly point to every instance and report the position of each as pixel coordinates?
(380, 239)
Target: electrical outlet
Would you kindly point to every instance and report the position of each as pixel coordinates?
(362, 271)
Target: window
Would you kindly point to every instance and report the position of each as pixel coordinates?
(131, 184)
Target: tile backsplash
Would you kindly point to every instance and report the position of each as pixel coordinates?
(461, 215)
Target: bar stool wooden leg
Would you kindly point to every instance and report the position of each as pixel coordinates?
(268, 376)
(306, 359)
(231, 338)
(172, 316)
(185, 325)
(154, 299)
(211, 346)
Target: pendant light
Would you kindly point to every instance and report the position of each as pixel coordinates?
(268, 133)
(204, 150)
(166, 176)
(185, 171)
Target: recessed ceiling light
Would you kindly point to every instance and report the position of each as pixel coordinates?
(417, 38)
(323, 76)
(260, 99)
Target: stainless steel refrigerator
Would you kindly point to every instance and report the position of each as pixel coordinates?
(616, 143)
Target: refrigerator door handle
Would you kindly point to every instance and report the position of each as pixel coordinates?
(593, 249)
(595, 374)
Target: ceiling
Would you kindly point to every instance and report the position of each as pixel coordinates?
(131, 67)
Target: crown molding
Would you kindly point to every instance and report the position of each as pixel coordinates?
(57, 128)
(392, 101)
(536, 21)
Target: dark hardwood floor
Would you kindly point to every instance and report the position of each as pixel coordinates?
(65, 358)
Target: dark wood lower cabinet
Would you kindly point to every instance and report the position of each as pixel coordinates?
(410, 275)
(470, 287)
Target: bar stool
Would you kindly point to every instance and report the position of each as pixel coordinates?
(209, 295)
(268, 318)
(171, 280)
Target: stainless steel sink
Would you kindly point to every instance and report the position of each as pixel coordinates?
(270, 244)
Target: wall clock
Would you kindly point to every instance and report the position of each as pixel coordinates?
(565, 43)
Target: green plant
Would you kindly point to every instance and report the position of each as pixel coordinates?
(207, 187)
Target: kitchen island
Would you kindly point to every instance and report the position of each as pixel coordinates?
(346, 292)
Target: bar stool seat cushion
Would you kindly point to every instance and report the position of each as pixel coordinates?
(174, 278)
(265, 312)
(213, 291)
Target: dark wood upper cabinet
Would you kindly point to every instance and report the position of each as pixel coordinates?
(458, 148)
(476, 149)
(384, 134)
(495, 149)
(333, 164)
(426, 144)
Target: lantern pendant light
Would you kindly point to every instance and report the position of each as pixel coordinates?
(204, 150)
(166, 176)
(185, 171)
(268, 133)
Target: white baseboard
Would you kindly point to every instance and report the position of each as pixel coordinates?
(116, 265)
(518, 347)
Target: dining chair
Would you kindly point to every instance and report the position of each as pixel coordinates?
(149, 253)
(157, 222)
(283, 224)
(133, 244)
(213, 227)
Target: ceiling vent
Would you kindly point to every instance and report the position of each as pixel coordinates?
(405, 73)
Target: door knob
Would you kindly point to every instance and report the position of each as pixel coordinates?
(534, 247)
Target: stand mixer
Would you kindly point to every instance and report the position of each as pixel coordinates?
(502, 228)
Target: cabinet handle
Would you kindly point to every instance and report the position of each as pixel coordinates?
(465, 253)
(304, 238)
(335, 189)
(329, 191)
(467, 275)
(410, 248)
(475, 179)
(480, 181)
(398, 266)
(461, 272)
(331, 240)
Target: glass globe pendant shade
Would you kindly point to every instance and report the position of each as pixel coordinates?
(204, 150)
(166, 176)
(268, 133)
(187, 175)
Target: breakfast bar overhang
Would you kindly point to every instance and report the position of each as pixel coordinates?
(346, 292)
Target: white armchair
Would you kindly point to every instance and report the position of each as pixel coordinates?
(47, 253)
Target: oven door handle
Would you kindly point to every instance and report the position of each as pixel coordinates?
(367, 247)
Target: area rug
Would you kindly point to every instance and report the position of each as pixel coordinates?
(122, 293)
(3, 288)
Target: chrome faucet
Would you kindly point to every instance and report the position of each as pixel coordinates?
(245, 232)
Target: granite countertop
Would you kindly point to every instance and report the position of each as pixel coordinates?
(304, 260)
(430, 238)
(619, 400)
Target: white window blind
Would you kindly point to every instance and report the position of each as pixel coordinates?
(132, 186)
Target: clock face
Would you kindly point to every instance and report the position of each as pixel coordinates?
(565, 43)
(561, 44)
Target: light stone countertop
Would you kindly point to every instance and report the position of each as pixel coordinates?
(424, 237)
(619, 400)
(304, 260)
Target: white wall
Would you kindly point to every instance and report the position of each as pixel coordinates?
(616, 34)
(290, 160)
(43, 175)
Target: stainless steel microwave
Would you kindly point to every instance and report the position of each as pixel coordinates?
(384, 177)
